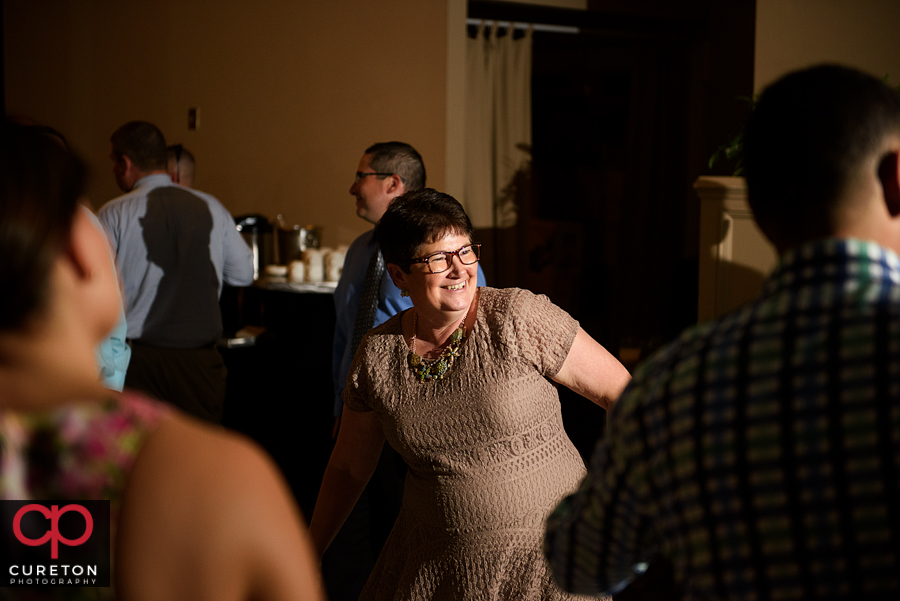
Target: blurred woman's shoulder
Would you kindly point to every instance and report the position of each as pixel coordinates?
(198, 512)
(81, 450)
(210, 504)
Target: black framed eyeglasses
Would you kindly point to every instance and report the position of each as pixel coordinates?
(439, 262)
(362, 174)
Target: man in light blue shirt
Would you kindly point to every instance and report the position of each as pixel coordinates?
(174, 247)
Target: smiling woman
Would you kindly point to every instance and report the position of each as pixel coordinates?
(460, 385)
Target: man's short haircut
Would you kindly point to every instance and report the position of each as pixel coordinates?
(399, 158)
(141, 142)
(805, 142)
(183, 159)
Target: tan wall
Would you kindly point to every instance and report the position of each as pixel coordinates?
(289, 92)
(791, 34)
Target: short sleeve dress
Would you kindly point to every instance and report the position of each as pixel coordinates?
(488, 457)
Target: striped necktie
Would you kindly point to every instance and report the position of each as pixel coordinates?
(368, 301)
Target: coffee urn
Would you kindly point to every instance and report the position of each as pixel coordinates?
(258, 234)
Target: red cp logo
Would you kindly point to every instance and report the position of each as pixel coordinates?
(53, 534)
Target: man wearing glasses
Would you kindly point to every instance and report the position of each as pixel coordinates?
(366, 297)
(385, 171)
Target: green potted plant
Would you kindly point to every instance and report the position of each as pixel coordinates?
(732, 150)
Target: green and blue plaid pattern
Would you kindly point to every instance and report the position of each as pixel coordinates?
(760, 453)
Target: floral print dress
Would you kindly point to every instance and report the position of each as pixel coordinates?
(81, 451)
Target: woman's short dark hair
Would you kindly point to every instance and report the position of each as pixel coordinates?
(416, 218)
(42, 184)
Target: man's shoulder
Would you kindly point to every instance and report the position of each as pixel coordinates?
(221, 215)
(201, 194)
(356, 261)
(358, 251)
(125, 203)
(361, 242)
(678, 366)
(137, 196)
(206, 197)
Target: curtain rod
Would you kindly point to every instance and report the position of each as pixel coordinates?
(518, 25)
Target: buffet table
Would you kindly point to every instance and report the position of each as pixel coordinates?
(279, 386)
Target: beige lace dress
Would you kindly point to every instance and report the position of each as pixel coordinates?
(488, 457)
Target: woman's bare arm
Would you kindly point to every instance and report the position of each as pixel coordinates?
(591, 371)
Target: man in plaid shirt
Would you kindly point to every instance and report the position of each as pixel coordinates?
(760, 453)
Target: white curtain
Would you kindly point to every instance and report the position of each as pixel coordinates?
(498, 124)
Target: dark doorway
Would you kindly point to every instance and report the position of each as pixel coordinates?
(610, 146)
(625, 116)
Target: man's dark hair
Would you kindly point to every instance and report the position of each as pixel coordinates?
(40, 185)
(416, 218)
(141, 142)
(399, 158)
(805, 142)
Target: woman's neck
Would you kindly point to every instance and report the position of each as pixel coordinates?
(39, 370)
(436, 331)
(432, 332)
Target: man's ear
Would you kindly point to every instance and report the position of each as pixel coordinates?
(395, 186)
(398, 275)
(129, 164)
(889, 176)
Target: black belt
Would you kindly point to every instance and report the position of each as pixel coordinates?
(132, 341)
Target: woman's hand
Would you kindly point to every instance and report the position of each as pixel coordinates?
(353, 461)
(591, 371)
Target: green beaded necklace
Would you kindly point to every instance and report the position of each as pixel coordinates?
(436, 369)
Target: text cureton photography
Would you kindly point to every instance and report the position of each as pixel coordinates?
(54, 543)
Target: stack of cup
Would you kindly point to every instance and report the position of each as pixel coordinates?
(334, 263)
(297, 272)
(314, 264)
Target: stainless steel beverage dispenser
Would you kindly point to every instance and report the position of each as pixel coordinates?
(258, 234)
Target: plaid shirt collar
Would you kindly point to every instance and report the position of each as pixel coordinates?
(833, 260)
